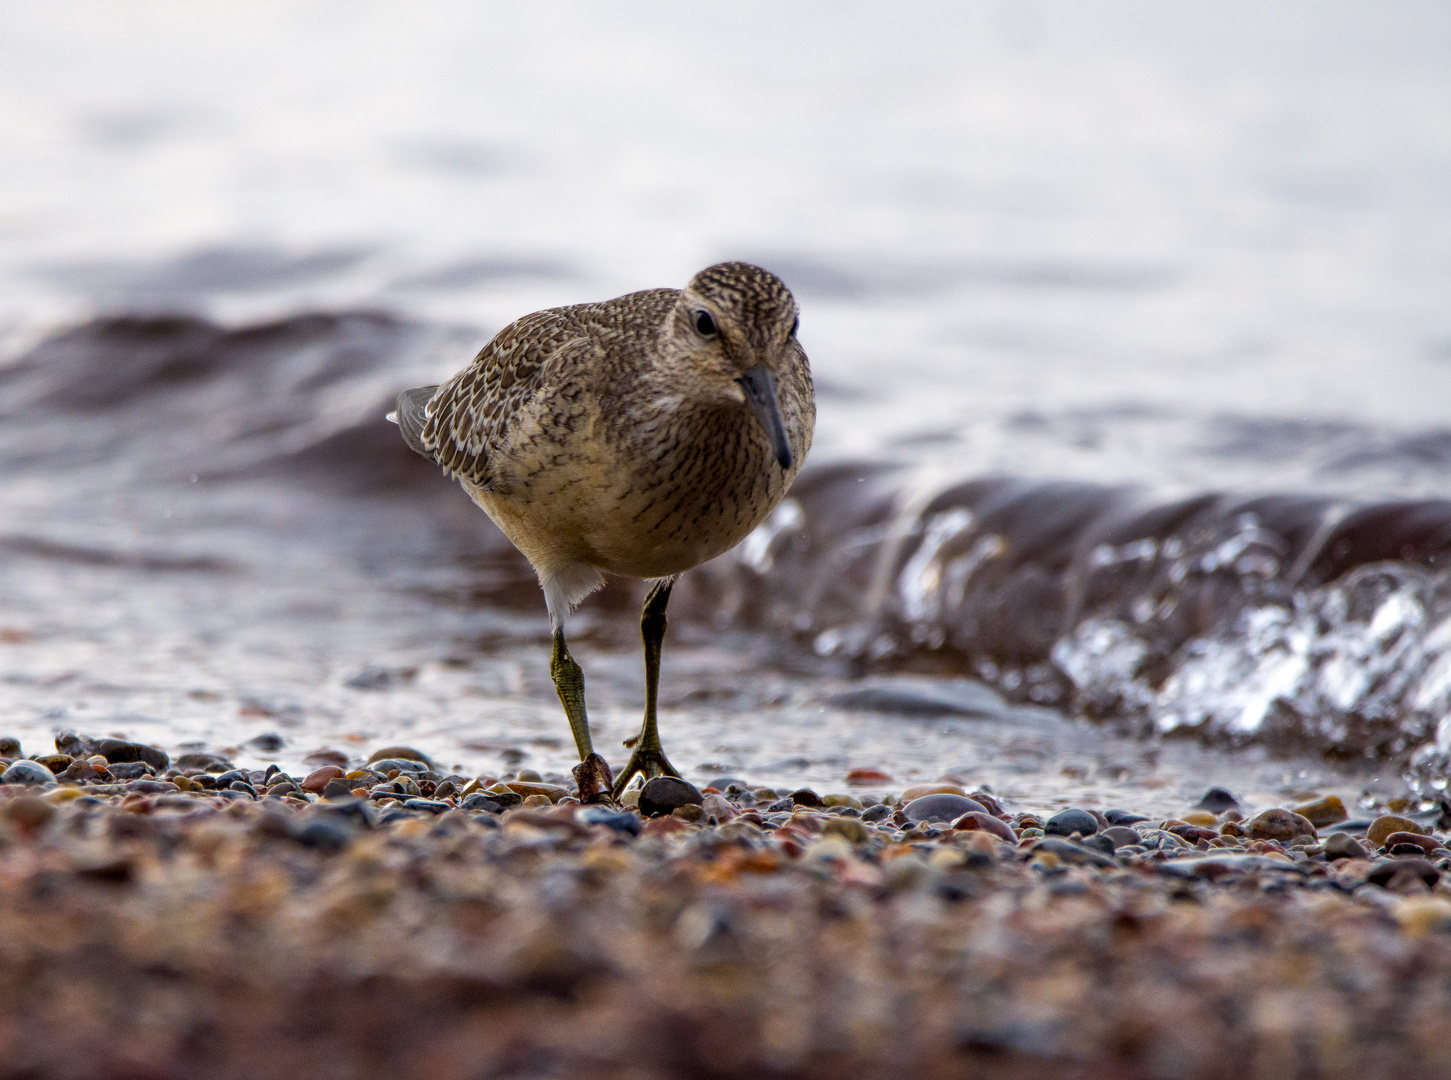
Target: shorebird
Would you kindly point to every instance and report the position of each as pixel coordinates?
(639, 436)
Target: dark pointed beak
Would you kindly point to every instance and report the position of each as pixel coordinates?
(759, 383)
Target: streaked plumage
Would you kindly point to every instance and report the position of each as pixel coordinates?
(638, 436)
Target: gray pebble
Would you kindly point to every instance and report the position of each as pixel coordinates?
(942, 807)
(1068, 822)
(27, 772)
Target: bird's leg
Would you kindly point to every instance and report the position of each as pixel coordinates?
(648, 758)
(569, 681)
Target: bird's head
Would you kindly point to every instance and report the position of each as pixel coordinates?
(734, 326)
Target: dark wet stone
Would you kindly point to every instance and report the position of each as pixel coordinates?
(205, 762)
(479, 801)
(1385, 873)
(27, 772)
(1120, 836)
(56, 763)
(396, 814)
(941, 808)
(505, 799)
(805, 797)
(1099, 842)
(1073, 853)
(338, 788)
(1217, 800)
(129, 770)
(9, 746)
(115, 751)
(664, 794)
(1122, 817)
(407, 753)
(593, 778)
(432, 806)
(620, 821)
(876, 813)
(1070, 821)
(243, 787)
(268, 742)
(1343, 846)
(782, 806)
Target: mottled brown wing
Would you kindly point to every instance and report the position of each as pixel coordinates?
(468, 418)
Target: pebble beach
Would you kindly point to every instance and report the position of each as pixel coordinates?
(170, 918)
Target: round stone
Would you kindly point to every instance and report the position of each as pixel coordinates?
(663, 794)
(27, 772)
(1343, 846)
(1070, 821)
(1121, 836)
(1278, 823)
(980, 822)
(942, 807)
(1381, 827)
(1322, 812)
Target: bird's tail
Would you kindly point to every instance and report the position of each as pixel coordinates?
(410, 416)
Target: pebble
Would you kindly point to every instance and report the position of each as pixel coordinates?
(1322, 812)
(619, 821)
(1216, 800)
(806, 797)
(1278, 824)
(976, 821)
(1386, 872)
(663, 794)
(408, 766)
(115, 751)
(27, 772)
(1426, 845)
(1068, 822)
(1125, 817)
(941, 807)
(1344, 846)
(9, 746)
(718, 809)
(867, 778)
(479, 801)
(1386, 824)
(1120, 836)
(317, 780)
(403, 753)
(921, 790)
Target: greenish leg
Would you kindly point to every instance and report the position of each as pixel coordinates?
(648, 758)
(569, 681)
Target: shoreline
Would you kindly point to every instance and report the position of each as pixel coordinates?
(157, 932)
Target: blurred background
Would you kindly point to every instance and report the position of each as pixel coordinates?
(1194, 249)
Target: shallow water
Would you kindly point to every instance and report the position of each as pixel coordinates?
(1130, 330)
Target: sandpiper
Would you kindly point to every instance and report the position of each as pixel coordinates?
(639, 436)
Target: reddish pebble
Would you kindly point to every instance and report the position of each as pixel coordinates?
(1428, 844)
(986, 823)
(867, 777)
(316, 780)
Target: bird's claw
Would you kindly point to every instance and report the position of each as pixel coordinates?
(648, 763)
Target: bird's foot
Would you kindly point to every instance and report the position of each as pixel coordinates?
(648, 763)
(594, 780)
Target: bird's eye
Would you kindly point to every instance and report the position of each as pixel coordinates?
(704, 323)
(795, 325)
